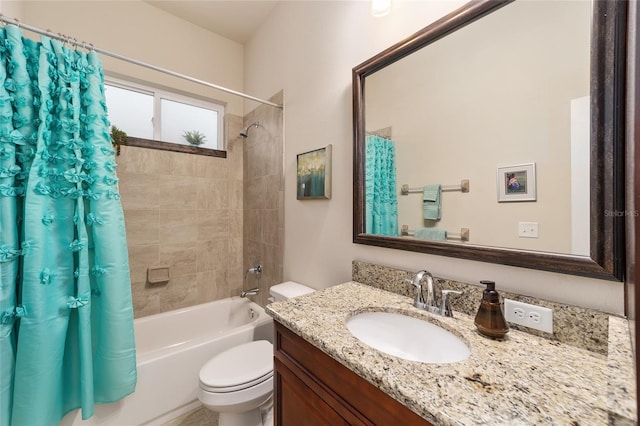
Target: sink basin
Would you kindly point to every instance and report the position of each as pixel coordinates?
(408, 337)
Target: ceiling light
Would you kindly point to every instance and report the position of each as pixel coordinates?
(380, 7)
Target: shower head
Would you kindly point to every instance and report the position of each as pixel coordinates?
(245, 132)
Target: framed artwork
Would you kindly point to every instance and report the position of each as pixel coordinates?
(517, 183)
(313, 180)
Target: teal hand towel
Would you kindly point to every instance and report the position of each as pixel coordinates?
(431, 202)
(431, 234)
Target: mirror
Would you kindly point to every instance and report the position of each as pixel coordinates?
(494, 92)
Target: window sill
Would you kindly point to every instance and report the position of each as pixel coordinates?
(174, 147)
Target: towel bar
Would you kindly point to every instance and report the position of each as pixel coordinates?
(463, 187)
(462, 236)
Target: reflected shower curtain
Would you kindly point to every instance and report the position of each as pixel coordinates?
(66, 318)
(380, 187)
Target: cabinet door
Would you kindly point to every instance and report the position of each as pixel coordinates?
(298, 405)
(311, 388)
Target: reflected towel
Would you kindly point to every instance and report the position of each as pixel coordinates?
(431, 234)
(431, 203)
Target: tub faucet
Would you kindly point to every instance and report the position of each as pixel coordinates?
(250, 292)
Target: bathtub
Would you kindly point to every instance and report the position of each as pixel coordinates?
(171, 347)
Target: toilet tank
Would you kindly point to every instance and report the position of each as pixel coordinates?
(288, 290)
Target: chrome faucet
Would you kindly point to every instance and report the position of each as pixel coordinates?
(430, 304)
(257, 271)
(250, 292)
(419, 302)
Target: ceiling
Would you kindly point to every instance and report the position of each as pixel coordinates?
(237, 20)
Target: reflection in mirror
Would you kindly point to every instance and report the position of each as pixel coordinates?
(477, 100)
(512, 103)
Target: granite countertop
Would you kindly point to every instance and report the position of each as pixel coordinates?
(520, 380)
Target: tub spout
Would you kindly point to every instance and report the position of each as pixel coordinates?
(251, 292)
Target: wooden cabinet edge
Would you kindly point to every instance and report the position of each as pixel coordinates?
(356, 400)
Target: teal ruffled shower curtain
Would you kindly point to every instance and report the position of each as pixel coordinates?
(66, 317)
(381, 203)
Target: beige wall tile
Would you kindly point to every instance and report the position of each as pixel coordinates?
(213, 285)
(178, 163)
(253, 225)
(236, 223)
(180, 292)
(212, 254)
(263, 198)
(273, 157)
(212, 167)
(140, 160)
(181, 258)
(176, 192)
(255, 160)
(233, 126)
(235, 155)
(201, 216)
(236, 191)
(255, 193)
(138, 191)
(212, 224)
(212, 193)
(235, 253)
(270, 228)
(178, 226)
(146, 300)
(142, 226)
(141, 257)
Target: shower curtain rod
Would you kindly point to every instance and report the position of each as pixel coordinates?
(90, 46)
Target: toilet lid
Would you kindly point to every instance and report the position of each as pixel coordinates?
(238, 367)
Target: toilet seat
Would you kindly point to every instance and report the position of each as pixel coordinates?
(238, 368)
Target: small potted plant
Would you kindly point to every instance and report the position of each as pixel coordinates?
(118, 137)
(194, 137)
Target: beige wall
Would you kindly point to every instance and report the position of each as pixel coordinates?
(308, 49)
(138, 30)
(12, 9)
(184, 211)
(264, 198)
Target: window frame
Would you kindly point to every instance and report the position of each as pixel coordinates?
(160, 94)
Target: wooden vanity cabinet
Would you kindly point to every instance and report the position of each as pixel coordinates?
(311, 388)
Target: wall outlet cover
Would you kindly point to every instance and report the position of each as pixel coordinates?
(531, 316)
(528, 229)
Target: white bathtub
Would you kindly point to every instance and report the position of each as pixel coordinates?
(171, 347)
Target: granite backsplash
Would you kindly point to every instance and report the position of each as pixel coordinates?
(580, 327)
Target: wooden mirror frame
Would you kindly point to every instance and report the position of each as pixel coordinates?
(607, 170)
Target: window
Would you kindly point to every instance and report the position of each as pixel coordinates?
(150, 113)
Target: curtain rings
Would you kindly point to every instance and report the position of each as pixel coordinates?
(87, 46)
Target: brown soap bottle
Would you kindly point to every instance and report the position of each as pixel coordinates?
(490, 319)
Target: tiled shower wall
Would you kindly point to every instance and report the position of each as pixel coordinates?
(264, 197)
(185, 211)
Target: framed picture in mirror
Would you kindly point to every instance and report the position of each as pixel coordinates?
(517, 183)
(313, 176)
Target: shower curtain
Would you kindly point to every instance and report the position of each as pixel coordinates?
(66, 318)
(380, 187)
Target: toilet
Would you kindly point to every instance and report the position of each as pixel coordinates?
(239, 381)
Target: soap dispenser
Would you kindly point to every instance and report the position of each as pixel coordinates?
(490, 319)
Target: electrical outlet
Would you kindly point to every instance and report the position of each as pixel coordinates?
(531, 316)
(528, 229)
